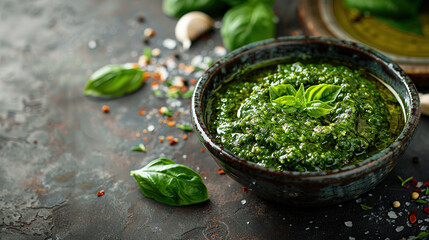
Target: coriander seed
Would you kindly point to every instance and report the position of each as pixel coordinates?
(414, 195)
(396, 204)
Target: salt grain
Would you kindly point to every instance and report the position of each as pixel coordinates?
(348, 224)
(243, 201)
(169, 43)
(399, 229)
(150, 128)
(392, 214)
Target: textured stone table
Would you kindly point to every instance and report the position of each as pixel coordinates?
(48, 189)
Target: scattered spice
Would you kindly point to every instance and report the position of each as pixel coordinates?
(100, 193)
(105, 108)
(185, 137)
(421, 201)
(426, 184)
(426, 210)
(161, 139)
(35, 141)
(202, 149)
(149, 32)
(406, 186)
(139, 148)
(413, 182)
(396, 204)
(364, 207)
(173, 142)
(165, 111)
(220, 171)
(156, 52)
(145, 138)
(138, 135)
(140, 17)
(404, 181)
(413, 219)
(415, 195)
(169, 138)
(244, 189)
(417, 190)
(421, 235)
(193, 81)
(171, 123)
(142, 112)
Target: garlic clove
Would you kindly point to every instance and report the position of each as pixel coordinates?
(191, 26)
(424, 101)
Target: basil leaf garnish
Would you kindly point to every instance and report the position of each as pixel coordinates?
(185, 127)
(139, 148)
(318, 108)
(247, 23)
(178, 8)
(171, 183)
(281, 90)
(322, 92)
(114, 81)
(315, 100)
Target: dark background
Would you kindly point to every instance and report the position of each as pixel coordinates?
(48, 190)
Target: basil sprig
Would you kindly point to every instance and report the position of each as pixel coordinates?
(114, 81)
(315, 100)
(171, 183)
(247, 23)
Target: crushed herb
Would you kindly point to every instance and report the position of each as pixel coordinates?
(421, 235)
(404, 181)
(421, 201)
(184, 127)
(139, 148)
(364, 207)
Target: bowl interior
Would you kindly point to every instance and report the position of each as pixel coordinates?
(306, 49)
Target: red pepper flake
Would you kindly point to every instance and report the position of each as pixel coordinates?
(426, 210)
(426, 184)
(244, 189)
(220, 171)
(170, 118)
(145, 138)
(294, 33)
(414, 212)
(100, 193)
(413, 219)
(413, 182)
(146, 75)
(138, 135)
(406, 186)
(142, 112)
(156, 75)
(169, 138)
(161, 139)
(202, 149)
(174, 142)
(171, 123)
(417, 190)
(105, 108)
(35, 141)
(185, 137)
(193, 81)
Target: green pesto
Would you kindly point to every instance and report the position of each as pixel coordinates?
(365, 119)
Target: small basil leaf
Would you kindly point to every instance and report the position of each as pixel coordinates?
(322, 92)
(178, 8)
(281, 90)
(139, 148)
(188, 94)
(318, 109)
(247, 23)
(171, 183)
(299, 96)
(185, 127)
(114, 81)
(233, 3)
(285, 100)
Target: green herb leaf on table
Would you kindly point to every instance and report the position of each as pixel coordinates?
(233, 3)
(139, 148)
(171, 183)
(185, 127)
(247, 23)
(147, 52)
(421, 235)
(114, 81)
(364, 207)
(166, 111)
(421, 201)
(404, 181)
(427, 191)
(178, 8)
(188, 94)
(314, 100)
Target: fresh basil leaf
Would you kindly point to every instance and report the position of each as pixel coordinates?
(299, 96)
(171, 183)
(322, 92)
(247, 23)
(139, 148)
(185, 127)
(281, 90)
(233, 3)
(178, 8)
(147, 52)
(318, 109)
(114, 81)
(285, 100)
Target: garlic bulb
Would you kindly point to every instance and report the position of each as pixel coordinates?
(191, 26)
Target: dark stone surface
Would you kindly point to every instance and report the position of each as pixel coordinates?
(48, 190)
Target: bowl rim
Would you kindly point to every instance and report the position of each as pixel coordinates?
(375, 160)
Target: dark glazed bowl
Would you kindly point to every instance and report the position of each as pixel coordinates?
(307, 188)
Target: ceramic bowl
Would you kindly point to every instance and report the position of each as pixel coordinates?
(307, 188)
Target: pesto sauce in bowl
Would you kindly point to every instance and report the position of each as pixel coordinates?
(366, 118)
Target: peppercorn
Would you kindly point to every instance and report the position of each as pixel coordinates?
(396, 204)
(415, 195)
